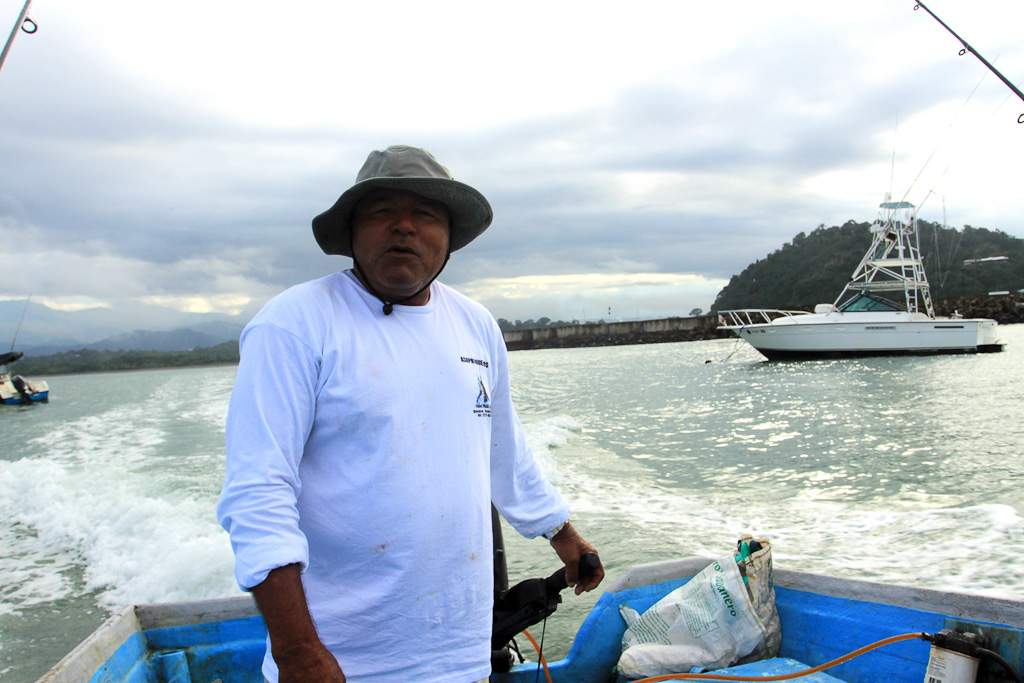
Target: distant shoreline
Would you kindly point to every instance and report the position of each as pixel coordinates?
(113, 371)
(1007, 309)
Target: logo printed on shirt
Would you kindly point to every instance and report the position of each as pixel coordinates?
(483, 399)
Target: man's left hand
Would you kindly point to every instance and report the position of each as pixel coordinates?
(570, 547)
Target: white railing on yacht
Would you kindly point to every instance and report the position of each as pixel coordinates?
(753, 316)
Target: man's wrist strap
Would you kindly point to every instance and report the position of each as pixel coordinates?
(554, 532)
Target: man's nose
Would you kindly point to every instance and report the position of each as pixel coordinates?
(403, 222)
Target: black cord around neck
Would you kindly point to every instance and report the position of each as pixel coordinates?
(389, 306)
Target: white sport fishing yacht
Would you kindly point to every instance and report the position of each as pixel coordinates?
(886, 308)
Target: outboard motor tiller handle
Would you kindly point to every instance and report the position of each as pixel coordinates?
(588, 564)
(531, 601)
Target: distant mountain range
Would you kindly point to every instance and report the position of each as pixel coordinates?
(181, 339)
(47, 331)
(811, 269)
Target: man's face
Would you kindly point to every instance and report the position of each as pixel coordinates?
(400, 240)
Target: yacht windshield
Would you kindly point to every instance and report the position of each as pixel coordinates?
(863, 302)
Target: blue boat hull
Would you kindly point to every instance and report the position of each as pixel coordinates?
(822, 618)
(41, 397)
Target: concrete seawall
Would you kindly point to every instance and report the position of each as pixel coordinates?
(613, 334)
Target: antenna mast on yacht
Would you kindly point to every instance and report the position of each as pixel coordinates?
(20, 321)
(25, 24)
(968, 48)
(892, 167)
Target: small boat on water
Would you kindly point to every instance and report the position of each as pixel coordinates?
(885, 309)
(822, 619)
(16, 390)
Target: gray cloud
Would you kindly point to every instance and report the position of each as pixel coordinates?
(117, 188)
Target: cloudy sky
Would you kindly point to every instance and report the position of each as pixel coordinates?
(169, 156)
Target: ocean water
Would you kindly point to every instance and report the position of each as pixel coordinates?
(901, 470)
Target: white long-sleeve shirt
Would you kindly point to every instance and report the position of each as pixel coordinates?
(367, 448)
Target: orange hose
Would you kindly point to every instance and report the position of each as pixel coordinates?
(781, 677)
(547, 674)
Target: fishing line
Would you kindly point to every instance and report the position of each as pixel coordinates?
(932, 190)
(952, 252)
(892, 166)
(941, 141)
(944, 268)
(944, 276)
(20, 321)
(1001, 105)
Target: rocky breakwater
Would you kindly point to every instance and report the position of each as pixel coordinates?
(1005, 309)
(613, 334)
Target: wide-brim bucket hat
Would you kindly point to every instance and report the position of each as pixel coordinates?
(405, 168)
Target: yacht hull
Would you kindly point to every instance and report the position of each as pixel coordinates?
(845, 335)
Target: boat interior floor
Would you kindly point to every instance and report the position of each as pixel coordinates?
(769, 667)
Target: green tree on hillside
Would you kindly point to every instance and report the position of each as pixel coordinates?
(813, 268)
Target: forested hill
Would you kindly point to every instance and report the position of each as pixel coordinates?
(815, 267)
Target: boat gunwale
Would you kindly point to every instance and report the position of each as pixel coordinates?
(975, 606)
(1001, 610)
(92, 654)
(82, 663)
(195, 612)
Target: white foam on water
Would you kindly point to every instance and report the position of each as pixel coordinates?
(135, 548)
(214, 414)
(32, 574)
(546, 435)
(202, 397)
(936, 542)
(971, 548)
(126, 433)
(92, 504)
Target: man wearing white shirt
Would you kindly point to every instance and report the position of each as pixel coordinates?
(370, 428)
